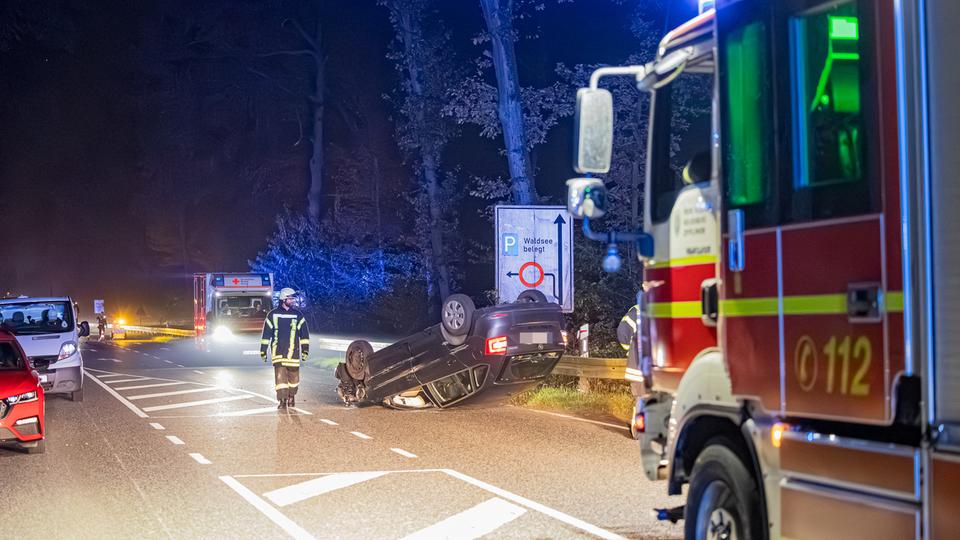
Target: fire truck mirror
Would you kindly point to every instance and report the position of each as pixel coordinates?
(586, 198)
(593, 130)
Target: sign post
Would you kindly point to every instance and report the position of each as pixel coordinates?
(535, 251)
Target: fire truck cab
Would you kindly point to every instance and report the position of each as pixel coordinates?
(802, 372)
(225, 304)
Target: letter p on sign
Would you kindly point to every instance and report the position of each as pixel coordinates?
(510, 243)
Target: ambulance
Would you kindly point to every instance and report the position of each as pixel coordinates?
(801, 363)
(226, 304)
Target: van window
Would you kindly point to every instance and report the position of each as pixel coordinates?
(26, 318)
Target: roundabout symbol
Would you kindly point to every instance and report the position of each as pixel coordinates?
(536, 283)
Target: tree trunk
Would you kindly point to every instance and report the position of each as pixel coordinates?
(498, 15)
(316, 159)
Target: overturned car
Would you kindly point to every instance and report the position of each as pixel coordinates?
(477, 354)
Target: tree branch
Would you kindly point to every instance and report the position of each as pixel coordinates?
(295, 52)
(303, 33)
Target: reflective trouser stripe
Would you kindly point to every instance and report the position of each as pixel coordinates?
(264, 341)
(293, 335)
(304, 342)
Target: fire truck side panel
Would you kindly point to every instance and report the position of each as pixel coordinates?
(835, 366)
(945, 496)
(809, 512)
(749, 326)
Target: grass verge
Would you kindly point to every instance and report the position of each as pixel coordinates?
(559, 393)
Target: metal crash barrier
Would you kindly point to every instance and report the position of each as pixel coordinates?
(592, 368)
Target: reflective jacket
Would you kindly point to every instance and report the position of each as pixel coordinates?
(286, 338)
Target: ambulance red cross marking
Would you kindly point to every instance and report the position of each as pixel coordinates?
(536, 282)
(236, 281)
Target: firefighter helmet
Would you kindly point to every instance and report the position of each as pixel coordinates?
(287, 292)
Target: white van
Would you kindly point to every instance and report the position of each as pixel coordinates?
(49, 333)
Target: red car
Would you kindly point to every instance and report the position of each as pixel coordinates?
(21, 398)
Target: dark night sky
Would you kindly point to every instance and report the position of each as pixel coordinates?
(81, 133)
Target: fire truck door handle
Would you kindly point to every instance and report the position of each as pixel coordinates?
(863, 302)
(736, 259)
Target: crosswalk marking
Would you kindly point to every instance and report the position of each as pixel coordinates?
(154, 385)
(194, 403)
(173, 393)
(175, 440)
(155, 425)
(115, 381)
(199, 458)
(482, 519)
(111, 375)
(248, 412)
(318, 486)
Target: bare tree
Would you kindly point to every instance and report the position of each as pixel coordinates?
(423, 59)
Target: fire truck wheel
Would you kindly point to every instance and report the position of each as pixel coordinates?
(723, 501)
(358, 354)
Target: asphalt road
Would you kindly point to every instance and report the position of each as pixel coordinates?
(172, 441)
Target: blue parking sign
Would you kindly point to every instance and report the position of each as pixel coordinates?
(510, 243)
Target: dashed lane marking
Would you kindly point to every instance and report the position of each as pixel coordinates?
(248, 412)
(329, 422)
(403, 452)
(318, 486)
(155, 385)
(478, 521)
(136, 410)
(200, 459)
(181, 365)
(194, 403)
(360, 435)
(155, 425)
(168, 361)
(274, 515)
(173, 393)
(197, 371)
(175, 440)
(251, 353)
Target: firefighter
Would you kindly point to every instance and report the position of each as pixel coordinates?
(285, 342)
(637, 352)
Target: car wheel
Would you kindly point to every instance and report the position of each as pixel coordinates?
(532, 296)
(358, 354)
(38, 448)
(456, 341)
(723, 501)
(457, 314)
(77, 395)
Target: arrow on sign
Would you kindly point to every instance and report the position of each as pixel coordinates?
(560, 223)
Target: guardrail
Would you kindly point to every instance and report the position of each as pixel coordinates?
(158, 331)
(592, 368)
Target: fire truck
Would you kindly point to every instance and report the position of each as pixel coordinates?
(799, 352)
(225, 304)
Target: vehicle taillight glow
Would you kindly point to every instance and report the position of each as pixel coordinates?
(640, 422)
(497, 345)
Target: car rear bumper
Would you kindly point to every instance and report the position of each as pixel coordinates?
(30, 427)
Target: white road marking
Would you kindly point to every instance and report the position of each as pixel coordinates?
(181, 365)
(251, 353)
(200, 372)
(174, 439)
(329, 422)
(118, 381)
(117, 360)
(318, 486)
(478, 521)
(403, 452)
(569, 417)
(136, 410)
(155, 425)
(111, 375)
(270, 399)
(155, 385)
(164, 348)
(361, 435)
(248, 412)
(264, 507)
(168, 361)
(173, 393)
(523, 501)
(193, 403)
(200, 459)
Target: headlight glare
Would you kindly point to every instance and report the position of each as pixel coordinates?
(67, 350)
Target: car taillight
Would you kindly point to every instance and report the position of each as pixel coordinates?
(497, 345)
(640, 422)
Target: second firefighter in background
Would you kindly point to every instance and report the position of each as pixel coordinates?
(285, 342)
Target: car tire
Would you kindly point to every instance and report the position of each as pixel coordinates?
(358, 355)
(38, 448)
(723, 500)
(77, 395)
(532, 296)
(456, 341)
(456, 316)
